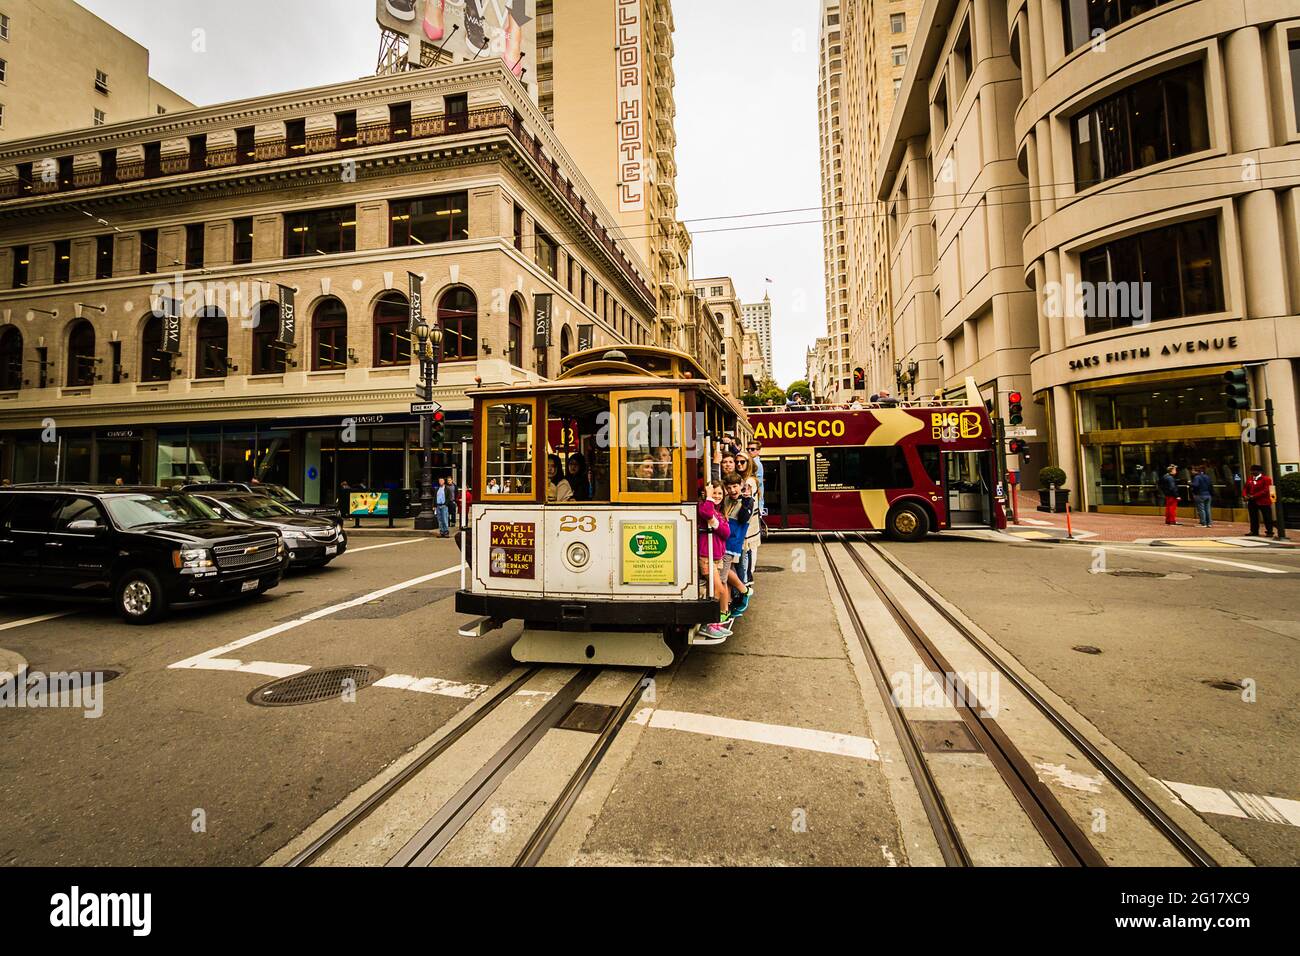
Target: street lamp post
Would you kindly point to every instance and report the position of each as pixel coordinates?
(429, 341)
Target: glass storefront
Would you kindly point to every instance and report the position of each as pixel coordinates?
(1130, 433)
(85, 457)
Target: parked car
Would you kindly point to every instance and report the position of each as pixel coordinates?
(279, 492)
(312, 542)
(145, 550)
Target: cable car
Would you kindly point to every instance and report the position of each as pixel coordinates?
(583, 522)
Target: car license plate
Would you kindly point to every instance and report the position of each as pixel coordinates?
(248, 586)
(331, 549)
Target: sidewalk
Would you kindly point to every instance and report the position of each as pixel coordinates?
(1144, 529)
(378, 528)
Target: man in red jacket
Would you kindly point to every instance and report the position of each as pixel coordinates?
(1259, 499)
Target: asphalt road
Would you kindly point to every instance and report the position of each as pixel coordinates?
(756, 752)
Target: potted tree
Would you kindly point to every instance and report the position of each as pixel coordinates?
(1047, 477)
(1288, 496)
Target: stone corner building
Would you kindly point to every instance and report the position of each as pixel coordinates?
(339, 191)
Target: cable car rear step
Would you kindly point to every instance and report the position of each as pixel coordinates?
(606, 648)
(480, 628)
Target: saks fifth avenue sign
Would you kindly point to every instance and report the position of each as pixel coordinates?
(1120, 356)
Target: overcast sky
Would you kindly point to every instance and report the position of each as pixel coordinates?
(746, 118)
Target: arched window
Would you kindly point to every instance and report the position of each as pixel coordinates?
(268, 358)
(155, 364)
(329, 336)
(515, 347)
(81, 355)
(392, 330)
(213, 345)
(566, 343)
(11, 359)
(458, 316)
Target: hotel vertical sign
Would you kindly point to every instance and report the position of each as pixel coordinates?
(287, 333)
(630, 66)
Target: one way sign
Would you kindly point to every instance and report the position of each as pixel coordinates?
(425, 408)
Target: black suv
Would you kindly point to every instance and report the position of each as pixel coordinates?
(312, 542)
(144, 549)
(279, 492)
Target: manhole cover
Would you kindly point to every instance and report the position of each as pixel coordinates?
(1087, 649)
(768, 568)
(588, 718)
(1137, 574)
(1224, 684)
(315, 685)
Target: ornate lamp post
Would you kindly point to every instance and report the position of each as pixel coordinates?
(429, 342)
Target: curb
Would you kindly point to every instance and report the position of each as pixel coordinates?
(12, 666)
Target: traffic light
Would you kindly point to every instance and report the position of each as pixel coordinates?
(439, 427)
(1016, 409)
(1018, 446)
(1236, 392)
(859, 378)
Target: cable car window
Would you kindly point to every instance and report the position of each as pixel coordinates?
(862, 469)
(509, 449)
(649, 440)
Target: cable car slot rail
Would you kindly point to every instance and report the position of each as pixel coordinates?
(1062, 835)
(1193, 852)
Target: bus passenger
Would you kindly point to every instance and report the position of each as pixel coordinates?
(557, 487)
(714, 531)
(737, 509)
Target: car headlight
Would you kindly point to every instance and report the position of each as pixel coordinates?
(293, 535)
(193, 560)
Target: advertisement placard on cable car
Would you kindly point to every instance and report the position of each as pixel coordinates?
(368, 504)
(513, 549)
(649, 550)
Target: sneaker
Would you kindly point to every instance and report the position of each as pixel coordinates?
(711, 634)
(401, 9)
(741, 606)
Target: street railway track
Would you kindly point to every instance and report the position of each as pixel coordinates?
(442, 827)
(1064, 837)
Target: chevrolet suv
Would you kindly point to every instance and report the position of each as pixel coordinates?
(145, 550)
(311, 542)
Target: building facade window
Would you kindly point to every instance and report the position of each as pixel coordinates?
(515, 345)
(898, 56)
(1179, 265)
(546, 252)
(81, 355)
(519, 227)
(1084, 18)
(268, 357)
(100, 118)
(245, 145)
(242, 252)
(22, 266)
(62, 261)
(1159, 118)
(1293, 49)
(11, 359)
(897, 22)
(4, 26)
(458, 316)
(108, 167)
(392, 330)
(155, 364)
(429, 219)
(195, 240)
(320, 232)
(212, 341)
(104, 257)
(329, 336)
(4, 70)
(148, 252)
(101, 81)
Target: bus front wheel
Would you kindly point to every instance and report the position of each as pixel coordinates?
(907, 522)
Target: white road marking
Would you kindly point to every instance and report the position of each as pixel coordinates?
(432, 685)
(1162, 553)
(374, 547)
(1232, 803)
(799, 738)
(214, 660)
(34, 620)
(1069, 778)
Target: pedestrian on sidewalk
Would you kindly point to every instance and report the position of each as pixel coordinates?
(1259, 500)
(1169, 488)
(441, 501)
(1202, 494)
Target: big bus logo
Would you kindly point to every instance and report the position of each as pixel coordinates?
(962, 424)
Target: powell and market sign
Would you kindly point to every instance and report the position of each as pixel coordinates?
(1120, 356)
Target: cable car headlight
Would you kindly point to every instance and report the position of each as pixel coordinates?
(578, 555)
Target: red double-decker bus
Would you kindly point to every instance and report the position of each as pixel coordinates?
(906, 470)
